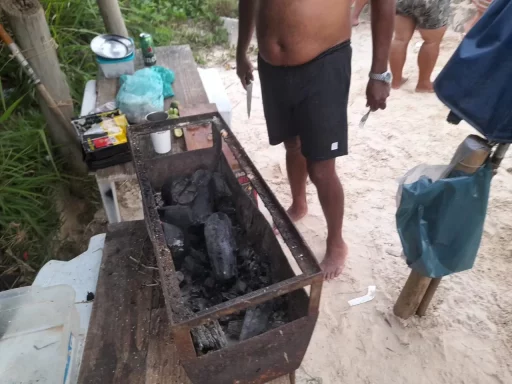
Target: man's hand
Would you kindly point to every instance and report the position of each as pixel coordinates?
(377, 93)
(244, 70)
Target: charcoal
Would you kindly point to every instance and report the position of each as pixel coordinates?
(193, 267)
(202, 207)
(241, 286)
(226, 205)
(178, 215)
(199, 304)
(221, 246)
(255, 321)
(198, 256)
(175, 240)
(166, 194)
(277, 324)
(234, 328)
(209, 283)
(201, 178)
(180, 277)
(219, 186)
(182, 191)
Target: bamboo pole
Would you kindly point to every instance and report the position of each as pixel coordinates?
(112, 17)
(38, 56)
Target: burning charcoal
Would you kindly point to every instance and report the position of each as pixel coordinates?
(220, 187)
(202, 206)
(176, 242)
(178, 215)
(221, 246)
(255, 321)
(241, 286)
(201, 178)
(234, 328)
(180, 191)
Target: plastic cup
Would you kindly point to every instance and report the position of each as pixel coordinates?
(161, 140)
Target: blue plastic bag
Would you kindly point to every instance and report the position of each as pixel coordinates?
(440, 223)
(475, 83)
(144, 92)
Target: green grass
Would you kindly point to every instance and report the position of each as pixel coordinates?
(30, 175)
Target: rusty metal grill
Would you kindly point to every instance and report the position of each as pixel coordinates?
(275, 352)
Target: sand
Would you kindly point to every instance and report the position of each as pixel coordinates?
(467, 335)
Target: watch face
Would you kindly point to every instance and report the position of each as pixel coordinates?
(387, 77)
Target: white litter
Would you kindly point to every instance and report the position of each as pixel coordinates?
(364, 299)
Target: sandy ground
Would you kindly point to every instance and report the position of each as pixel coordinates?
(467, 335)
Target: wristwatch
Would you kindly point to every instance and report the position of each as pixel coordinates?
(385, 77)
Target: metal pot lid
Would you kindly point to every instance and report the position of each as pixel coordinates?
(112, 46)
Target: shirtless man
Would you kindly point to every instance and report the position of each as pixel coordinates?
(304, 66)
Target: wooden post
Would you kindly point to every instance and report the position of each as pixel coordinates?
(427, 298)
(32, 35)
(411, 295)
(112, 17)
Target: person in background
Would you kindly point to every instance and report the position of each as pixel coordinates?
(481, 7)
(304, 66)
(430, 17)
(356, 10)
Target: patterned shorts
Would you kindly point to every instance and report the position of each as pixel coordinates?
(428, 14)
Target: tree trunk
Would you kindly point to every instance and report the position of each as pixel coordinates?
(112, 17)
(32, 35)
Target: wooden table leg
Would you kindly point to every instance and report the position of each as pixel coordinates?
(427, 298)
(411, 295)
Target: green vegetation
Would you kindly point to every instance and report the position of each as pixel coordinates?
(30, 175)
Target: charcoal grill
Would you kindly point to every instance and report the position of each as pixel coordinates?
(264, 357)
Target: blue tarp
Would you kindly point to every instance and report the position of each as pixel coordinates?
(440, 223)
(476, 84)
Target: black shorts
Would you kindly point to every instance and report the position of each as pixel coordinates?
(309, 101)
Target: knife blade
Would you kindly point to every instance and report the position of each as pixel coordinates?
(249, 98)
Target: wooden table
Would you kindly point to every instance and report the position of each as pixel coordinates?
(188, 89)
(129, 339)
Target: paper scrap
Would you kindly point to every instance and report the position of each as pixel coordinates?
(364, 299)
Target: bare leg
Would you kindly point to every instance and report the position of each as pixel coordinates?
(427, 57)
(297, 176)
(404, 29)
(356, 11)
(330, 193)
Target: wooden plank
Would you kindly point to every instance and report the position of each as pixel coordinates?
(200, 137)
(117, 340)
(162, 364)
(188, 89)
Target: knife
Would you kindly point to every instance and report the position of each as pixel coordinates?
(249, 97)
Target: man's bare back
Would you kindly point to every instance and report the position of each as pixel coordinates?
(293, 32)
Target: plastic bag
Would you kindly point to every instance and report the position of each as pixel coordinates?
(440, 222)
(475, 83)
(144, 92)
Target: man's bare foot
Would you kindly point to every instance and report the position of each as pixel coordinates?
(334, 261)
(295, 213)
(425, 88)
(397, 83)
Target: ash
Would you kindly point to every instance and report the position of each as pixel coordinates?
(215, 263)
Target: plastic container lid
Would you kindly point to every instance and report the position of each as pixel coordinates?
(36, 328)
(112, 46)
